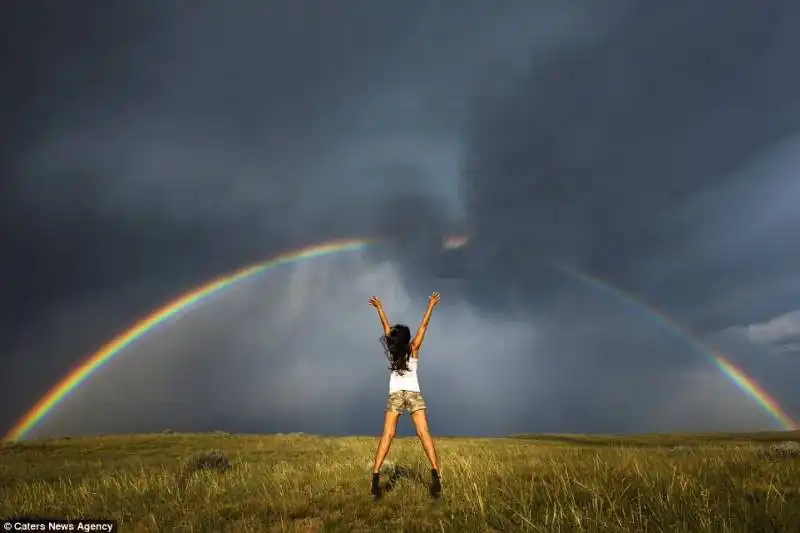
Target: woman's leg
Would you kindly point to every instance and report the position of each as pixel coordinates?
(421, 425)
(389, 429)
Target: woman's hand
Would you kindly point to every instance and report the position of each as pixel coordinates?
(376, 303)
(433, 300)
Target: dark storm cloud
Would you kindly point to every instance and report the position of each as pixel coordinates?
(660, 157)
(158, 147)
(157, 133)
(236, 127)
(154, 147)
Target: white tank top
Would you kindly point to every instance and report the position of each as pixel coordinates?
(408, 380)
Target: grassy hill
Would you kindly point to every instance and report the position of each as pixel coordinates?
(548, 483)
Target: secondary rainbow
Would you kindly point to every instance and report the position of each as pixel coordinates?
(734, 374)
(181, 305)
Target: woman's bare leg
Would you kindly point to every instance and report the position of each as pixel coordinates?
(389, 429)
(421, 425)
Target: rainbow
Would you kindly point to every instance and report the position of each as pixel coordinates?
(734, 374)
(115, 346)
(749, 386)
(186, 302)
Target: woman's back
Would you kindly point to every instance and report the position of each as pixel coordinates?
(407, 380)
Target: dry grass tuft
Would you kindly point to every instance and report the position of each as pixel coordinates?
(783, 450)
(213, 460)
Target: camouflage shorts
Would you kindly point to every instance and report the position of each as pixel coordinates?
(405, 399)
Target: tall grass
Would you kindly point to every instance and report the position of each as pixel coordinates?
(219, 483)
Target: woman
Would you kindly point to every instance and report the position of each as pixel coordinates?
(404, 391)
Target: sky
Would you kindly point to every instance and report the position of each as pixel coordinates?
(151, 146)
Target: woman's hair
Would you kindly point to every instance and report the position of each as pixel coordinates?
(396, 345)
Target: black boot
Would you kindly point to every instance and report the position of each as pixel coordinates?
(436, 484)
(376, 486)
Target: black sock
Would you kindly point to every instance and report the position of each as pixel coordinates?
(434, 473)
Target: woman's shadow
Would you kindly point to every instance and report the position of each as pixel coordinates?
(399, 472)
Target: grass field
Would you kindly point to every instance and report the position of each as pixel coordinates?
(549, 483)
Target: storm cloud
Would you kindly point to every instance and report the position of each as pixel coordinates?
(153, 147)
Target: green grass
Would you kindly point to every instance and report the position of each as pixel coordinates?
(546, 483)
